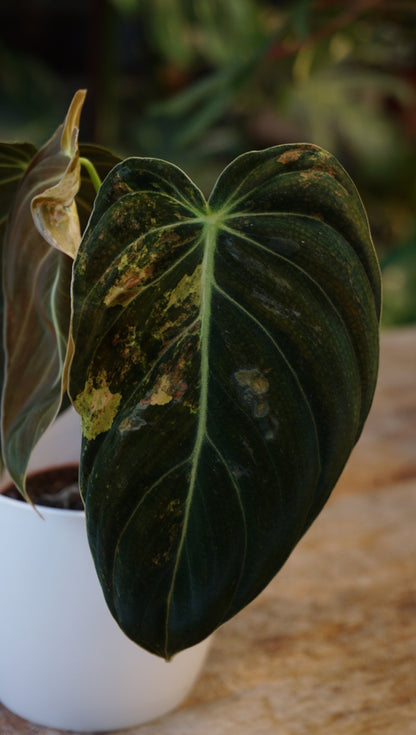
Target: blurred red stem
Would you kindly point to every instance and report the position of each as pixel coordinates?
(349, 14)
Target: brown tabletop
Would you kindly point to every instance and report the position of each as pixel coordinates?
(329, 648)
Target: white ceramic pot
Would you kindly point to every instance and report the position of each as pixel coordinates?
(64, 662)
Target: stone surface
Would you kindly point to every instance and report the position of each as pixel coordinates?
(330, 645)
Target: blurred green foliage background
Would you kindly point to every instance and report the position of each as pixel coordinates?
(200, 81)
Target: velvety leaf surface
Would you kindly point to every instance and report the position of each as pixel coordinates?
(36, 280)
(14, 160)
(225, 361)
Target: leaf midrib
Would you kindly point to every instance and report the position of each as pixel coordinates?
(211, 226)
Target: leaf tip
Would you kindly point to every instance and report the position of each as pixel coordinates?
(71, 123)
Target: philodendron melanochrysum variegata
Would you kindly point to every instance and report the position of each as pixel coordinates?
(222, 353)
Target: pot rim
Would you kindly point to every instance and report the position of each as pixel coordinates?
(42, 510)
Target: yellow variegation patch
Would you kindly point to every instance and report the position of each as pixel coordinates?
(97, 406)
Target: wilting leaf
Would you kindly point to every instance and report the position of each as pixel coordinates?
(36, 280)
(58, 170)
(225, 361)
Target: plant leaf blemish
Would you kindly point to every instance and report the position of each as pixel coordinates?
(97, 406)
(222, 394)
(255, 388)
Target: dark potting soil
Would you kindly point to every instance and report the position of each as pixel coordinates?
(55, 488)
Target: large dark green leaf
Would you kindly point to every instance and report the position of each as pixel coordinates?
(225, 361)
(42, 230)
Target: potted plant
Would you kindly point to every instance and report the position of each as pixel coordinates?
(222, 355)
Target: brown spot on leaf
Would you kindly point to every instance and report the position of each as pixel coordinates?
(290, 156)
(255, 387)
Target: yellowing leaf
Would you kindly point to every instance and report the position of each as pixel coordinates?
(53, 208)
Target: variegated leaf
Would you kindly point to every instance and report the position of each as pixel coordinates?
(225, 360)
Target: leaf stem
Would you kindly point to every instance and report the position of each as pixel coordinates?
(92, 173)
